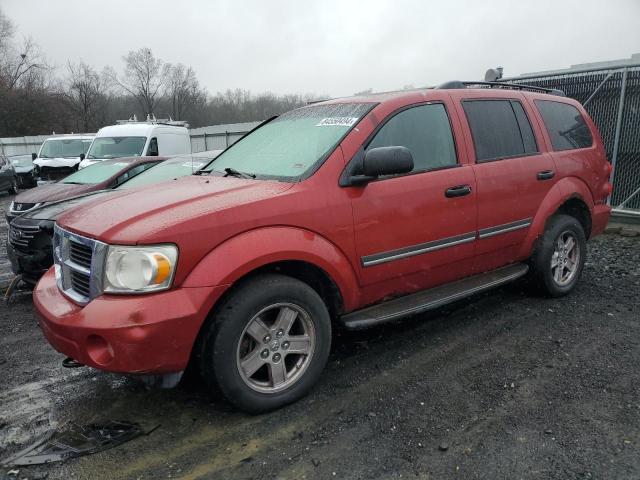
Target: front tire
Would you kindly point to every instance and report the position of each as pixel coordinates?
(559, 258)
(267, 343)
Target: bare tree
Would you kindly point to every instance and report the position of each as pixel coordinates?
(23, 67)
(183, 90)
(86, 91)
(144, 78)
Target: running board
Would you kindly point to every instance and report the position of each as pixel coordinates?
(433, 298)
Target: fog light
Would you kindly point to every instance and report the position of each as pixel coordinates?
(99, 350)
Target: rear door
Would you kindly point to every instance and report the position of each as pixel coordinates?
(410, 229)
(512, 172)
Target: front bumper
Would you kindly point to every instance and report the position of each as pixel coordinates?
(141, 334)
(30, 265)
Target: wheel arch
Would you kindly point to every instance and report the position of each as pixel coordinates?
(292, 251)
(569, 196)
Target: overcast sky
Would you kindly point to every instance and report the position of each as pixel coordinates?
(334, 47)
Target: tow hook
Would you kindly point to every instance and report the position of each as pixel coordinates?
(71, 363)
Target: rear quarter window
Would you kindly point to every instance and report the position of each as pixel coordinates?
(565, 125)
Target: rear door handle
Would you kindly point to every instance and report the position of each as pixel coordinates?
(545, 175)
(457, 191)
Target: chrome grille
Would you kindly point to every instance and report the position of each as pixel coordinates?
(19, 207)
(21, 235)
(81, 283)
(78, 264)
(80, 254)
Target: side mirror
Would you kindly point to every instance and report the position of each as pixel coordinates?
(82, 156)
(387, 161)
(382, 161)
(34, 156)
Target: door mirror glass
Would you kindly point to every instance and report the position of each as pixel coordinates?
(387, 161)
(81, 156)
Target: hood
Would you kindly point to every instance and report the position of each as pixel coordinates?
(133, 216)
(57, 162)
(52, 192)
(51, 211)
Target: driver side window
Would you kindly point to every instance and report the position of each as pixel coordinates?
(425, 130)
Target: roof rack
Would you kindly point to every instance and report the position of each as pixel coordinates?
(152, 120)
(457, 84)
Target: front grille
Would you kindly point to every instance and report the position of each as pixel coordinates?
(78, 264)
(55, 173)
(21, 235)
(81, 283)
(80, 254)
(19, 207)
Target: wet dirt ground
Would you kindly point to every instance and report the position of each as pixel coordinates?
(504, 385)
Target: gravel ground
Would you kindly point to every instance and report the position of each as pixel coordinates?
(504, 385)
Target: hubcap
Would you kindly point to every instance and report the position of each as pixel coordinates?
(276, 347)
(565, 259)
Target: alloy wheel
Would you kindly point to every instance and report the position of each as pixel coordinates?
(276, 347)
(565, 260)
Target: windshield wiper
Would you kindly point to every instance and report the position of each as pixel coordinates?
(236, 173)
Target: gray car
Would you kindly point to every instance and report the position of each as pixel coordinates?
(8, 177)
(23, 165)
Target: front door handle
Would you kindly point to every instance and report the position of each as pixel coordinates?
(457, 191)
(545, 175)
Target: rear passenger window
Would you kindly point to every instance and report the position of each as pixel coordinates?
(565, 125)
(500, 129)
(425, 130)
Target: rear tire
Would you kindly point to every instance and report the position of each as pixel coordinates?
(267, 343)
(559, 258)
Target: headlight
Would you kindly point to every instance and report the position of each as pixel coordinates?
(139, 269)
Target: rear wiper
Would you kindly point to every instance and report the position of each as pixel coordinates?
(236, 173)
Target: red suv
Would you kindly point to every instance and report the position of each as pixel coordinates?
(353, 212)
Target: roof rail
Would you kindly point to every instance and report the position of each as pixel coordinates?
(152, 120)
(457, 84)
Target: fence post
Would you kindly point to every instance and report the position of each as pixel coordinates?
(616, 140)
(204, 136)
(226, 139)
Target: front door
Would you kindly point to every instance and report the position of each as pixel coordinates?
(418, 229)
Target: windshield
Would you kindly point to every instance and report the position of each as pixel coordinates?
(64, 148)
(116, 147)
(21, 161)
(167, 170)
(292, 144)
(96, 173)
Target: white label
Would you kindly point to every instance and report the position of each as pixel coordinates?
(337, 122)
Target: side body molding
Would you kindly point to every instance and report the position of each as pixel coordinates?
(253, 249)
(565, 189)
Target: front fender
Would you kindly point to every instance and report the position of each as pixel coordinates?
(239, 255)
(563, 190)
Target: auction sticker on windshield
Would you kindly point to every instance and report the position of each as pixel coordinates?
(337, 122)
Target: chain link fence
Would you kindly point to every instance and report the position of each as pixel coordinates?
(612, 98)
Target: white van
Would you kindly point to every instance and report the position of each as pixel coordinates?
(59, 156)
(136, 139)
